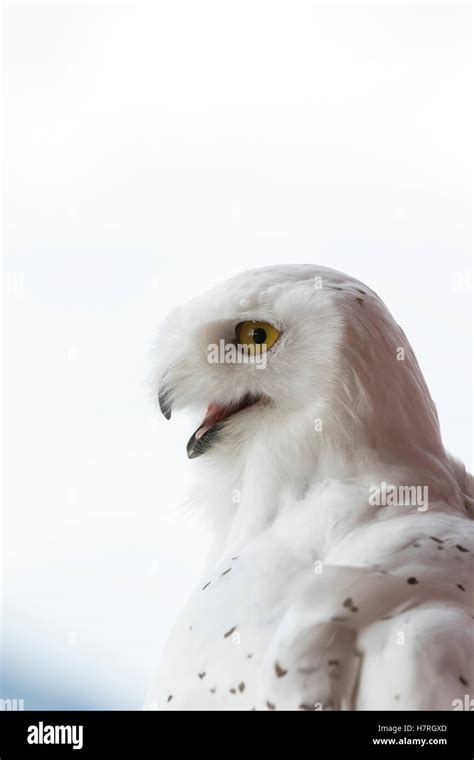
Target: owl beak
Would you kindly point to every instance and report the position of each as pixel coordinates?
(212, 425)
(202, 440)
(164, 398)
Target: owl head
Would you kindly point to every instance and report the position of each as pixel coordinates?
(300, 362)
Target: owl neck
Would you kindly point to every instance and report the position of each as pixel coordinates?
(289, 456)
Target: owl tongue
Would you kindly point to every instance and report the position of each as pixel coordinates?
(218, 413)
(215, 413)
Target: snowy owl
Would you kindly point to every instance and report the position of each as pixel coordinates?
(340, 575)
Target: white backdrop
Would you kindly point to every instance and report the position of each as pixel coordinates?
(151, 150)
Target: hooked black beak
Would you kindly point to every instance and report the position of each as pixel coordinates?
(199, 444)
(164, 400)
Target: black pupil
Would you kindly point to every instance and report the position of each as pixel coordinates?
(259, 335)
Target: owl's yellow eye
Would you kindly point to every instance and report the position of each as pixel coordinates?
(259, 335)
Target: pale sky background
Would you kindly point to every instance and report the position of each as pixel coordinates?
(150, 151)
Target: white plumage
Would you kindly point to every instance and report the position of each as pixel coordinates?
(315, 597)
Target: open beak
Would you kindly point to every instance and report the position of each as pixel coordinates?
(210, 428)
(213, 423)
